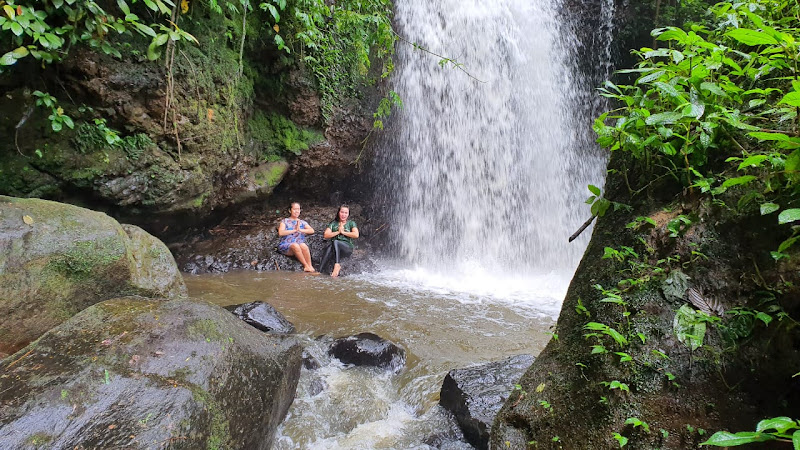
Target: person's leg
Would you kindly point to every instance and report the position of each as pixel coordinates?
(326, 257)
(342, 250)
(307, 257)
(296, 251)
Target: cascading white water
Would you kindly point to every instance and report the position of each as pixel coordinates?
(489, 177)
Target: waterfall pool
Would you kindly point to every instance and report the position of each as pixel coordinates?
(442, 322)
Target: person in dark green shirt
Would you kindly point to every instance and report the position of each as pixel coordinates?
(341, 233)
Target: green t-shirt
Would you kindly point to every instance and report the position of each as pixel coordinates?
(348, 227)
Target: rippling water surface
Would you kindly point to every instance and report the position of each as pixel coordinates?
(443, 322)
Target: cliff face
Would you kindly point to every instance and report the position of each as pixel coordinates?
(632, 346)
(161, 142)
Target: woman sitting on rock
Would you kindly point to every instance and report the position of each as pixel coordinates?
(341, 232)
(293, 233)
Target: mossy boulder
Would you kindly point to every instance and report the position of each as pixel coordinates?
(145, 373)
(57, 259)
(635, 361)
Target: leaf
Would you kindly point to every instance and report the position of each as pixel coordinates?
(737, 181)
(688, 328)
(669, 90)
(751, 37)
(123, 6)
(7, 59)
(144, 29)
(766, 318)
(16, 28)
(765, 136)
(769, 208)
(672, 33)
(664, 118)
(27, 219)
(594, 189)
(727, 439)
(792, 99)
(9, 11)
(754, 160)
(713, 88)
(789, 215)
(674, 287)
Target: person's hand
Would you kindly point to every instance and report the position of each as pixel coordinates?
(341, 227)
(297, 227)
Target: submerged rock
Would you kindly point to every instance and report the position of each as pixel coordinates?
(367, 349)
(262, 316)
(138, 373)
(475, 394)
(57, 259)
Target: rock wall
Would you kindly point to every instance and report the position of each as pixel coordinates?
(625, 353)
(160, 145)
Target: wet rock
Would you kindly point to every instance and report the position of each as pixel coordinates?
(263, 316)
(138, 373)
(57, 259)
(316, 386)
(475, 394)
(367, 349)
(309, 361)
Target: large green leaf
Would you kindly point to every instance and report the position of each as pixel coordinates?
(751, 37)
(688, 327)
(789, 215)
(727, 439)
(792, 98)
(766, 136)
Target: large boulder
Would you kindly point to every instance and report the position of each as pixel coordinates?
(636, 360)
(474, 395)
(57, 259)
(139, 373)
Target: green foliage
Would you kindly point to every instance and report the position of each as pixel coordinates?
(47, 33)
(278, 135)
(57, 117)
(774, 429)
(690, 326)
(705, 98)
(338, 43)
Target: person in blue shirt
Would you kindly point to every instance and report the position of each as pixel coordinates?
(341, 231)
(293, 232)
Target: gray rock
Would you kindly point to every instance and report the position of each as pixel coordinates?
(263, 316)
(474, 395)
(57, 259)
(138, 373)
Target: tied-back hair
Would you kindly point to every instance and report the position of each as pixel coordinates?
(336, 217)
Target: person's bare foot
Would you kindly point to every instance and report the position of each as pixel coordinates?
(309, 269)
(336, 268)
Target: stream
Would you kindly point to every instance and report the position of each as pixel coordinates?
(442, 322)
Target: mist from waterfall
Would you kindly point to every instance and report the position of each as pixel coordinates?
(489, 175)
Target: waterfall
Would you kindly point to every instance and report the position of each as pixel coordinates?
(491, 175)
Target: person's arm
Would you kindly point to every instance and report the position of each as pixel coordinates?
(328, 233)
(306, 228)
(352, 234)
(282, 231)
